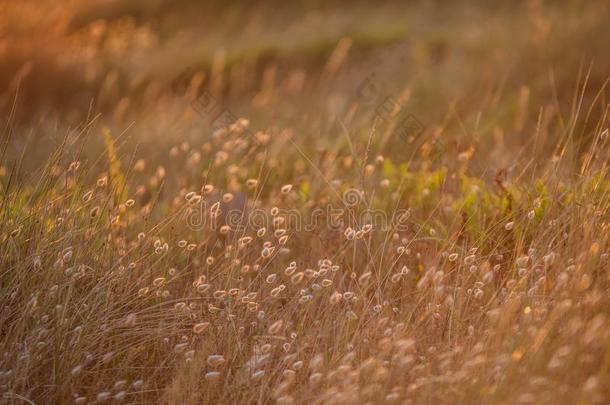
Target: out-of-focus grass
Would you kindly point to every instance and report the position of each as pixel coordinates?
(116, 286)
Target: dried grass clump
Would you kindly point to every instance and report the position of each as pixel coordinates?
(102, 303)
(310, 260)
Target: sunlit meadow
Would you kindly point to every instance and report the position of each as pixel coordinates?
(304, 202)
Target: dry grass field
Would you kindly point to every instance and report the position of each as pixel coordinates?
(304, 202)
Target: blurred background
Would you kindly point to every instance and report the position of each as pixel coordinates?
(487, 73)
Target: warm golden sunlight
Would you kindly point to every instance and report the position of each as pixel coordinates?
(304, 202)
